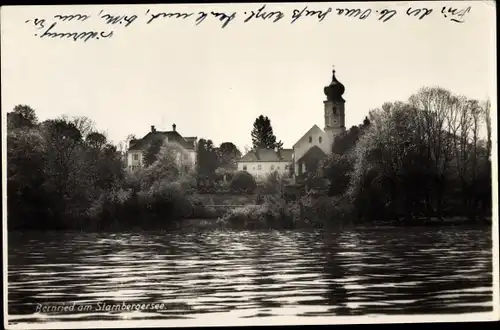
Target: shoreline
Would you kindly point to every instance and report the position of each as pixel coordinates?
(208, 224)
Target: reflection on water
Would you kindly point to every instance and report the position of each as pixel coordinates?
(251, 274)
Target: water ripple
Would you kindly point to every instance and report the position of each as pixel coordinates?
(250, 274)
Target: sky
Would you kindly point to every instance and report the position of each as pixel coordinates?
(213, 82)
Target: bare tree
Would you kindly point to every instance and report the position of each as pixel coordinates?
(434, 110)
(84, 124)
(487, 119)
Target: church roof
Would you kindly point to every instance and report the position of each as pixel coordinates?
(309, 131)
(335, 90)
(268, 155)
(314, 152)
(173, 136)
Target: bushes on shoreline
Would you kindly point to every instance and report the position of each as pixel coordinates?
(421, 159)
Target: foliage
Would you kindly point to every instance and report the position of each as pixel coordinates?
(338, 165)
(207, 159)
(243, 182)
(55, 175)
(273, 184)
(346, 142)
(269, 214)
(152, 151)
(419, 157)
(429, 157)
(22, 116)
(228, 154)
(263, 136)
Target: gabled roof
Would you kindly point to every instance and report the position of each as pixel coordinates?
(315, 127)
(314, 152)
(173, 136)
(268, 155)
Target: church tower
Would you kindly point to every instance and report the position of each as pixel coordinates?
(334, 109)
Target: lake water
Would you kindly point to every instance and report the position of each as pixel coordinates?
(250, 274)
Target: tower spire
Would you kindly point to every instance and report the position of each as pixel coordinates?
(336, 89)
(334, 106)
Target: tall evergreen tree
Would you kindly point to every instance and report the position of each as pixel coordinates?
(263, 136)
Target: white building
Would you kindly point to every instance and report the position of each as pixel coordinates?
(317, 143)
(186, 155)
(262, 162)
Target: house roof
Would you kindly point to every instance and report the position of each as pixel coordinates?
(173, 136)
(314, 152)
(268, 155)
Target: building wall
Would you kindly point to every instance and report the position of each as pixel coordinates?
(334, 120)
(192, 157)
(185, 158)
(261, 169)
(134, 160)
(315, 137)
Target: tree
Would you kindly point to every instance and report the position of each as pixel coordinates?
(96, 140)
(124, 145)
(388, 177)
(273, 183)
(84, 124)
(263, 136)
(22, 116)
(423, 158)
(206, 159)
(27, 113)
(337, 166)
(487, 120)
(152, 151)
(347, 141)
(337, 169)
(165, 168)
(55, 174)
(27, 201)
(247, 149)
(228, 154)
(243, 182)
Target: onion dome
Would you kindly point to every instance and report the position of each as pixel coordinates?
(335, 90)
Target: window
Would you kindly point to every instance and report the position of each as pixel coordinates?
(136, 157)
(320, 139)
(259, 167)
(185, 156)
(272, 167)
(244, 167)
(310, 139)
(286, 167)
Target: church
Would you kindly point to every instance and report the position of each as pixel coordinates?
(316, 143)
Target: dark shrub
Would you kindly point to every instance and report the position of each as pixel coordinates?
(243, 182)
